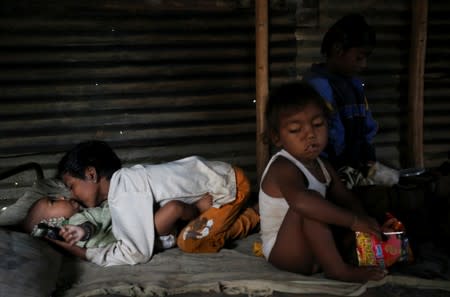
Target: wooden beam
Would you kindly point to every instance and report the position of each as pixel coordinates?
(262, 81)
(416, 77)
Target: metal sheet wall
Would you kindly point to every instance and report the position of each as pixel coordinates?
(158, 80)
(436, 85)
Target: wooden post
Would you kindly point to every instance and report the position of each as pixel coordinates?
(416, 77)
(262, 81)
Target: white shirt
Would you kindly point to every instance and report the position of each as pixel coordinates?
(272, 210)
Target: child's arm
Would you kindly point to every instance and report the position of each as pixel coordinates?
(73, 249)
(340, 194)
(347, 199)
(284, 179)
(72, 233)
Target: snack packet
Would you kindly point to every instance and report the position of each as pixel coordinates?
(394, 246)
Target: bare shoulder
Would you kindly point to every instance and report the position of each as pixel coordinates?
(283, 167)
(281, 173)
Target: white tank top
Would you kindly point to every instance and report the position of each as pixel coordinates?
(273, 210)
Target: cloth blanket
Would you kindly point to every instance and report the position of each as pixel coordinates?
(30, 267)
(232, 271)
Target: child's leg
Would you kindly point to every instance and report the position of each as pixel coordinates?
(291, 250)
(168, 215)
(243, 225)
(303, 244)
(209, 232)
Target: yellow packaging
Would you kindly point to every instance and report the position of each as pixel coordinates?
(384, 253)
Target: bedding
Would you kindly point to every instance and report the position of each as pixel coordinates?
(28, 268)
(13, 213)
(32, 267)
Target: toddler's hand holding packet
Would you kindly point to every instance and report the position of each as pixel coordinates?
(393, 248)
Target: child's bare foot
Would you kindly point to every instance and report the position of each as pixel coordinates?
(361, 274)
(204, 203)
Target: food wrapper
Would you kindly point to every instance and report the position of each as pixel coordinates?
(392, 248)
(384, 253)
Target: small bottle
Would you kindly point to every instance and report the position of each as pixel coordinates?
(50, 232)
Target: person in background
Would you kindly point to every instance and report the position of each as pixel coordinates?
(301, 198)
(346, 47)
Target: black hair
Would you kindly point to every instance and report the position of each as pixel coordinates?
(32, 217)
(290, 97)
(350, 31)
(95, 153)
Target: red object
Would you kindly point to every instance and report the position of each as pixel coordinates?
(384, 253)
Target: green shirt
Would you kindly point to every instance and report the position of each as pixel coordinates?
(100, 217)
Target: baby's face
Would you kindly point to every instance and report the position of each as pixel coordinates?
(59, 207)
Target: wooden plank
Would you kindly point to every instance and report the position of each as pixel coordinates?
(262, 82)
(416, 81)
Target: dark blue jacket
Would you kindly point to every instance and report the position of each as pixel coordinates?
(351, 127)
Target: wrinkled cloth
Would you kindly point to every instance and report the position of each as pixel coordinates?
(378, 174)
(211, 231)
(230, 271)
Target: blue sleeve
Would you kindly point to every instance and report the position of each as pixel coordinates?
(370, 123)
(371, 126)
(336, 131)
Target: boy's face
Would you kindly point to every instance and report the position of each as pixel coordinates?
(352, 61)
(59, 207)
(83, 190)
(304, 133)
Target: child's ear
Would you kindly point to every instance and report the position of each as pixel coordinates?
(275, 138)
(91, 174)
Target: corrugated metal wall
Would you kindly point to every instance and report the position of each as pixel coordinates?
(165, 79)
(158, 80)
(437, 85)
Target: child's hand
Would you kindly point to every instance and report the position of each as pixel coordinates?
(388, 226)
(366, 224)
(72, 234)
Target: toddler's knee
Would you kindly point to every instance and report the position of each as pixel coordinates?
(175, 207)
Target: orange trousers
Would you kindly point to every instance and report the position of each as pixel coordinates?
(215, 227)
